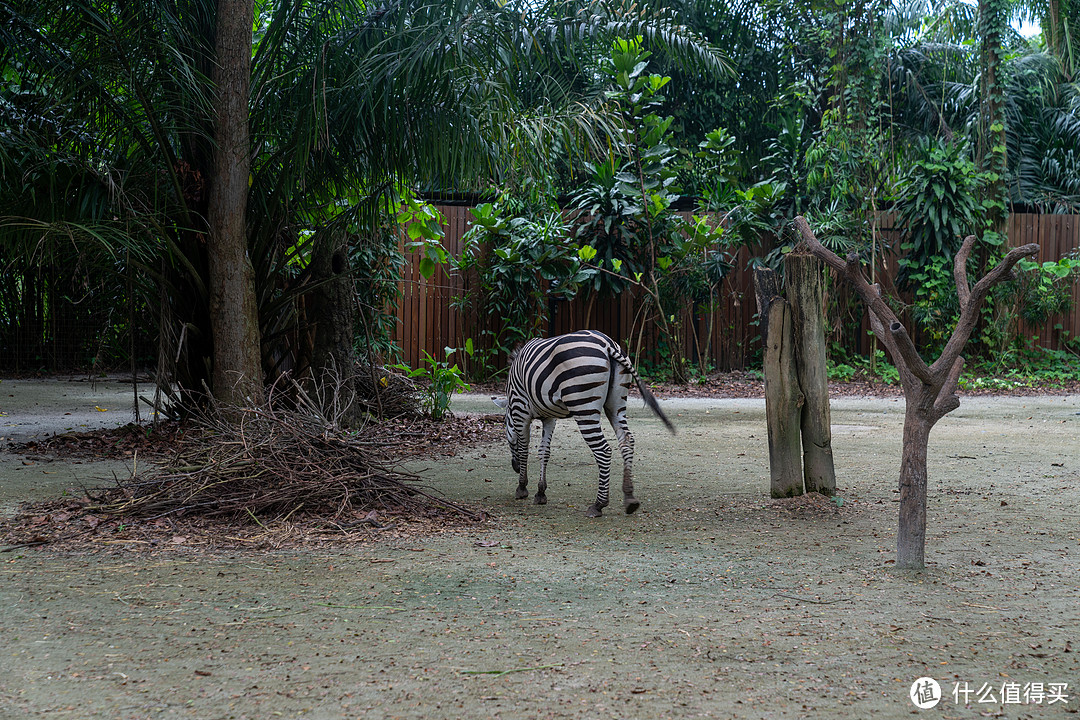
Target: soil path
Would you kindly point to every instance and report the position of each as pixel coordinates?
(711, 601)
(36, 408)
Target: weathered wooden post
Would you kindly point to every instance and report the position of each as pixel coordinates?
(783, 399)
(805, 284)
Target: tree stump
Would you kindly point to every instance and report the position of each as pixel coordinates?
(783, 398)
(805, 283)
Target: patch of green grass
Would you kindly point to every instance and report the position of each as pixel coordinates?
(1031, 367)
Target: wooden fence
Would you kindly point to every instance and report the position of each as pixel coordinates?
(1057, 236)
(428, 322)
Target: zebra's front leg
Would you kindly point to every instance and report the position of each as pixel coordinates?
(589, 425)
(521, 454)
(545, 454)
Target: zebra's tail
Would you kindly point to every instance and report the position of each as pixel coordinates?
(650, 400)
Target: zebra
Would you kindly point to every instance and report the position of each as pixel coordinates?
(575, 375)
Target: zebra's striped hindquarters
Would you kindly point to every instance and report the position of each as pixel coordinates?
(580, 376)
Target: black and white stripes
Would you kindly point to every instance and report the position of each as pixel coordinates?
(576, 375)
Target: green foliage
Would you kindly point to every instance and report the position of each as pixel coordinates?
(1046, 290)
(105, 120)
(106, 115)
(938, 202)
(749, 213)
(753, 213)
(716, 163)
(845, 369)
(1040, 292)
(628, 230)
(1032, 366)
(608, 227)
(521, 257)
(423, 225)
(936, 307)
(699, 375)
(377, 264)
(442, 380)
(842, 372)
(831, 143)
(630, 193)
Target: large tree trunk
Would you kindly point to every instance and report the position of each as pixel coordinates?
(234, 321)
(805, 281)
(783, 399)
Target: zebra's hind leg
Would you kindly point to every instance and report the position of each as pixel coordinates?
(589, 425)
(626, 447)
(545, 454)
(521, 452)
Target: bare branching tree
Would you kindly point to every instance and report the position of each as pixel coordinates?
(929, 390)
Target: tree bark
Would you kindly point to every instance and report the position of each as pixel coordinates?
(991, 146)
(806, 292)
(333, 310)
(911, 530)
(237, 373)
(783, 399)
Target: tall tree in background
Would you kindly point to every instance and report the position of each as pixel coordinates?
(991, 146)
(234, 319)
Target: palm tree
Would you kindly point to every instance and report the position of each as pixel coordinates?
(349, 105)
(934, 91)
(1059, 21)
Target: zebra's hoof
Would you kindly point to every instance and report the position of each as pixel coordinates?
(631, 505)
(540, 499)
(521, 493)
(594, 511)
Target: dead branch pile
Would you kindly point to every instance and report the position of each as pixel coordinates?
(271, 464)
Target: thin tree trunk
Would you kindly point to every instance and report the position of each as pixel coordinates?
(589, 308)
(333, 358)
(1054, 36)
(806, 291)
(237, 373)
(709, 350)
(929, 390)
(911, 532)
(991, 149)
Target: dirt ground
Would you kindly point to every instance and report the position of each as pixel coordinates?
(712, 601)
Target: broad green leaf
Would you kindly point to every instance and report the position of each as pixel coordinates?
(427, 267)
